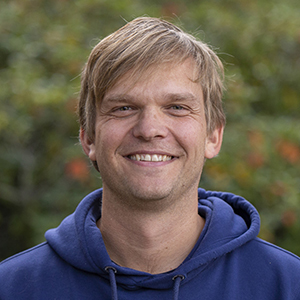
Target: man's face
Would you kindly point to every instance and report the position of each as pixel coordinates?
(150, 137)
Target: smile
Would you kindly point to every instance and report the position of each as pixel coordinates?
(149, 157)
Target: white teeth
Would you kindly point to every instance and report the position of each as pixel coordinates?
(155, 158)
(148, 157)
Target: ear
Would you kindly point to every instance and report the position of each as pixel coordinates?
(88, 146)
(214, 143)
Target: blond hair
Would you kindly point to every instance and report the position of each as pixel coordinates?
(142, 43)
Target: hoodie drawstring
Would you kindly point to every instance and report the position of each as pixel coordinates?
(177, 280)
(113, 283)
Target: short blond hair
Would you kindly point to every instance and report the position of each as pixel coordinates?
(142, 43)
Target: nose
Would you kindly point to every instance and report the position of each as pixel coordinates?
(151, 124)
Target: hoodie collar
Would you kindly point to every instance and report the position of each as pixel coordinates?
(231, 221)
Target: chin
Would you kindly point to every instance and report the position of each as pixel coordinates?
(150, 195)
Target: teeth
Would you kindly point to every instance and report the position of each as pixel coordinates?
(155, 158)
(148, 157)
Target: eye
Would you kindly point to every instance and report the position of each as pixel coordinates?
(178, 110)
(123, 111)
(177, 107)
(124, 108)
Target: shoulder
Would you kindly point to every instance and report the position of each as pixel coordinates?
(258, 257)
(40, 273)
(26, 269)
(274, 264)
(263, 270)
(275, 253)
(28, 263)
(27, 258)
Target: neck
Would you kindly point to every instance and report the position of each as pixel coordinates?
(153, 241)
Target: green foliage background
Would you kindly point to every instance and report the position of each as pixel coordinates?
(43, 47)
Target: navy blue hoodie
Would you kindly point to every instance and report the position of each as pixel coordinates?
(227, 262)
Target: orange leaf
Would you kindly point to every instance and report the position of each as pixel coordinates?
(77, 169)
(288, 218)
(289, 151)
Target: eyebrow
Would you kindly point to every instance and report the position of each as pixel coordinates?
(119, 98)
(171, 96)
(181, 96)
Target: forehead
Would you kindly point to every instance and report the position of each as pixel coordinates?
(170, 78)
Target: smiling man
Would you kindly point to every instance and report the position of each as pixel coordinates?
(150, 115)
(150, 143)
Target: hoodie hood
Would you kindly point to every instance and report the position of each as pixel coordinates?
(231, 221)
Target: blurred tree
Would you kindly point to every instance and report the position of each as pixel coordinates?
(43, 47)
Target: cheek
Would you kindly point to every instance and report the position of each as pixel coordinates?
(192, 134)
(110, 136)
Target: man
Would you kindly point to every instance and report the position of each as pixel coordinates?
(150, 115)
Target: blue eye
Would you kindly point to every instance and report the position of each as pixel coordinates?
(177, 107)
(178, 110)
